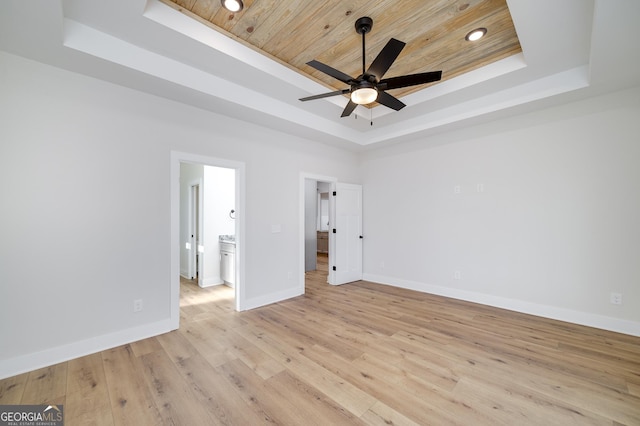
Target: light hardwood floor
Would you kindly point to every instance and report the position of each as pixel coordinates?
(354, 354)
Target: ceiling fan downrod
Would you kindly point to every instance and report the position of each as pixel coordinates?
(363, 26)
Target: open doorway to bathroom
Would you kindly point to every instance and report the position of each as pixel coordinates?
(207, 225)
(207, 206)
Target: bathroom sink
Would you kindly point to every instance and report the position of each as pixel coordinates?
(230, 239)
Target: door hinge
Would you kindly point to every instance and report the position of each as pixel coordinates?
(334, 230)
(335, 193)
(334, 268)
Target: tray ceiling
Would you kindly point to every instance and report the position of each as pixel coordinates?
(250, 66)
(294, 33)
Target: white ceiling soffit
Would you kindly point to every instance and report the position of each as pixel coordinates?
(147, 45)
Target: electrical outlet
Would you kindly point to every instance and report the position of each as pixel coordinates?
(137, 305)
(480, 187)
(457, 189)
(457, 275)
(615, 298)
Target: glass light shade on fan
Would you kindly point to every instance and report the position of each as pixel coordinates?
(364, 96)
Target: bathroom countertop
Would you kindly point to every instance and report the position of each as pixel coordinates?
(230, 239)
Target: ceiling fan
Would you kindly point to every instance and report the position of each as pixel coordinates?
(369, 86)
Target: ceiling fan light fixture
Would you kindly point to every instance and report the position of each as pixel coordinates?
(364, 95)
(232, 5)
(369, 86)
(476, 34)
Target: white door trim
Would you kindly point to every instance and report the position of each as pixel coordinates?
(174, 279)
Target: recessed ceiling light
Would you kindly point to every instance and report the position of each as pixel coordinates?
(232, 5)
(476, 34)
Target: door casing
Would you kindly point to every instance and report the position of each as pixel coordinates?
(240, 190)
(332, 277)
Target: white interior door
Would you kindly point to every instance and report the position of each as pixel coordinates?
(347, 239)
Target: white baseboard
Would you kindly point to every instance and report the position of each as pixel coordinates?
(210, 282)
(268, 299)
(576, 317)
(13, 366)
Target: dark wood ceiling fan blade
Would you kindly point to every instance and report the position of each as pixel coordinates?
(349, 108)
(409, 80)
(385, 58)
(326, 95)
(389, 101)
(338, 75)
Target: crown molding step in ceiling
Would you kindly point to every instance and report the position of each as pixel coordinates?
(257, 63)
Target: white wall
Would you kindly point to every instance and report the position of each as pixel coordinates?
(85, 190)
(85, 230)
(554, 232)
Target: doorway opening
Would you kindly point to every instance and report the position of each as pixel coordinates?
(207, 227)
(316, 223)
(342, 212)
(193, 237)
(207, 222)
(316, 213)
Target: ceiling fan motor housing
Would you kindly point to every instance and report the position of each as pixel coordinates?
(363, 84)
(364, 25)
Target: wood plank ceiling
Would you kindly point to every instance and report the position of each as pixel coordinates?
(295, 32)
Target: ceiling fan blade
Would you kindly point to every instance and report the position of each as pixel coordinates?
(339, 75)
(349, 108)
(389, 101)
(385, 58)
(409, 80)
(326, 95)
